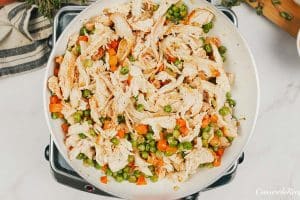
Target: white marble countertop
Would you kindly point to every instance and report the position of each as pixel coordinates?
(271, 158)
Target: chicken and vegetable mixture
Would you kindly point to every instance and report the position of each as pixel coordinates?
(143, 93)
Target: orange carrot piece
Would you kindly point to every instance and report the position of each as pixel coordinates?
(220, 152)
(103, 179)
(181, 122)
(114, 44)
(56, 70)
(215, 141)
(171, 149)
(65, 127)
(113, 68)
(83, 38)
(141, 129)
(205, 121)
(214, 118)
(141, 181)
(54, 99)
(121, 133)
(162, 145)
(59, 59)
(111, 52)
(107, 124)
(217, 161)
(55, 107)
(184, 130)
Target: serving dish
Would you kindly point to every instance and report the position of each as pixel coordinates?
(245, 91)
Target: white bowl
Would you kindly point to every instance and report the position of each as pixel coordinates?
(246, 92)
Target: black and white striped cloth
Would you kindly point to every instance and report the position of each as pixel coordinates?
(24, 35)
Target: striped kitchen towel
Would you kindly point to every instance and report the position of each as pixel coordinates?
(24, 35)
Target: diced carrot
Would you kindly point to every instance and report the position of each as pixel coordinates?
(111, 52)
(141, 129)
(107, 124)
(141, 180)
(214, 118)
(83, 38)
(103, 179)
(215, 141)
(171, 59)
(65, 127)
(205, 121)
(171, 149)
(129, 79)
(98, 55)
(56, 70)
(54, 99)
(59, 59)
(156, 84)
(162, 145)
(55, 107)
(113, 68)
(121, 133)
(217, 161)
(60, 115)
(225, 130)
(113, 60)
(215, 72)
(114, 44)
(104, 168)
(161, 68)
(184, 130)
(220, 152)
(180, 122)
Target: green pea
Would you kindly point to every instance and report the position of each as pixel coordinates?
(168, 108)
(130, 158)
(126, 169)
(108, 172)
(215, 148)
(82, 136)
(153, 149)
(152, 143)
(149, 136)
(224, 111)
(144, 154)
(176, 127)
(176, 133)
(121, 119)
(54, 115)
(175, 9)
(86, 93)
(134, 143)
(83, 31)
(119, 178)
(230, 139)
(136, 173)
(206, 27)
(115, 141)
(80, 156)
(92, 133)
(180, 147)
(140, 139)
(141, 147)
(204, 143)
(205, 135)
(87, 63)
(132, 179)
(222, 49)
(219, 133)
(140, 107)
(207, 48)
(77, 117)
(154, 178)
(183, 13)
(147, 147)
(125, 176)
(131, 58)
(168, 153)
(124, 70)
(172, 142)
(170, 12)
(86, 113)
(96, 165)
(213, 103)
(228, 95)
(78, 49)
(231, 102)
(176, 15)
(187, 145)
(206, 129)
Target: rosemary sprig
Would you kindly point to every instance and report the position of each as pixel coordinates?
(49, 7)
